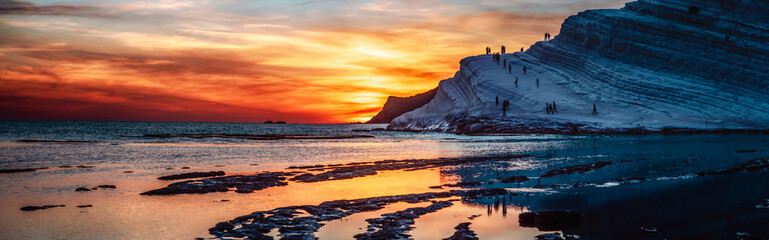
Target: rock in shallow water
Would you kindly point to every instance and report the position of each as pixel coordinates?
(35, 208)
(576, 169)
(550, 220)
(15, 170)
(192, 175)
(463, 232)
(293, 225)
(243, 184)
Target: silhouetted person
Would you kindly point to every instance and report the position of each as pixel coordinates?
(537, 82)
(595, 112)
(516, 81)
(554, 109)
(547, 108)
(497, 101)
(545, 36)
(504, 107)
(504, 63)
(510, 69)
(524, 69)
(521, 49)
(503, 49)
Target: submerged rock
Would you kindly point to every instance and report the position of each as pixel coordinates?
(35, 208)
(746, 151)
(748, 236)
(550, 236)
(763, 204)
(396, 225)
(464, 184)
(82, 189)
(349, 171)
(513, 179)
(192, 175)
(576, 169)
(15, 170)
(107, 186)
(550, 220)
(84, 206)
(243, 184)
(294, 225)
(463, 232)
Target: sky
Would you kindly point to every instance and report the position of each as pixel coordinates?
(247, 61)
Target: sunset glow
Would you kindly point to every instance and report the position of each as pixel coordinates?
(246, 61)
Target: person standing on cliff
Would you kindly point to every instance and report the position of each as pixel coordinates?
(554, 109)
(521, 49)
(510, 69)
(497, 100)
(595, 112)
(504, 63)
(503, 49)
(516, 82)
(547, 108)
(537, 82)
(524, 69)
(488, 50)
(504, 107)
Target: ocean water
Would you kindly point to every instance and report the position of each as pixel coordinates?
(119, 153)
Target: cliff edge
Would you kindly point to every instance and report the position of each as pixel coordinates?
(396, 106)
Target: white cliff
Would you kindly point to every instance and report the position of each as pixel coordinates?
(651, 65)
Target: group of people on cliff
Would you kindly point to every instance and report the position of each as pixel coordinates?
(547, 36)
(550, 108)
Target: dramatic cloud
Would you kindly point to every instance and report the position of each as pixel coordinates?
(247, 61)
(29, 8)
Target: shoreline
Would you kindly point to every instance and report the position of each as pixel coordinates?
(634, 131)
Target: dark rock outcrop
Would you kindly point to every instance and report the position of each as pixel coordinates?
(348, 171)
(15, 170)
(396, 225)
(243, 184)
(35, 208)
(292, 224)
(513, 179)
(192, 175)
(463, 232)
(576, 169)
(396, 106)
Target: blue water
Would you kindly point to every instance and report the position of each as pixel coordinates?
(124, 143)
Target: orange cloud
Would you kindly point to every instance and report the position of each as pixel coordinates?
(314, 62)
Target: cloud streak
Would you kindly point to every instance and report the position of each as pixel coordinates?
(16, 7)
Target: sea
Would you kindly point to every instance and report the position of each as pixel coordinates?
(130, 155)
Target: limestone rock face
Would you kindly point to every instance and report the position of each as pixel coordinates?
(651, 65)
